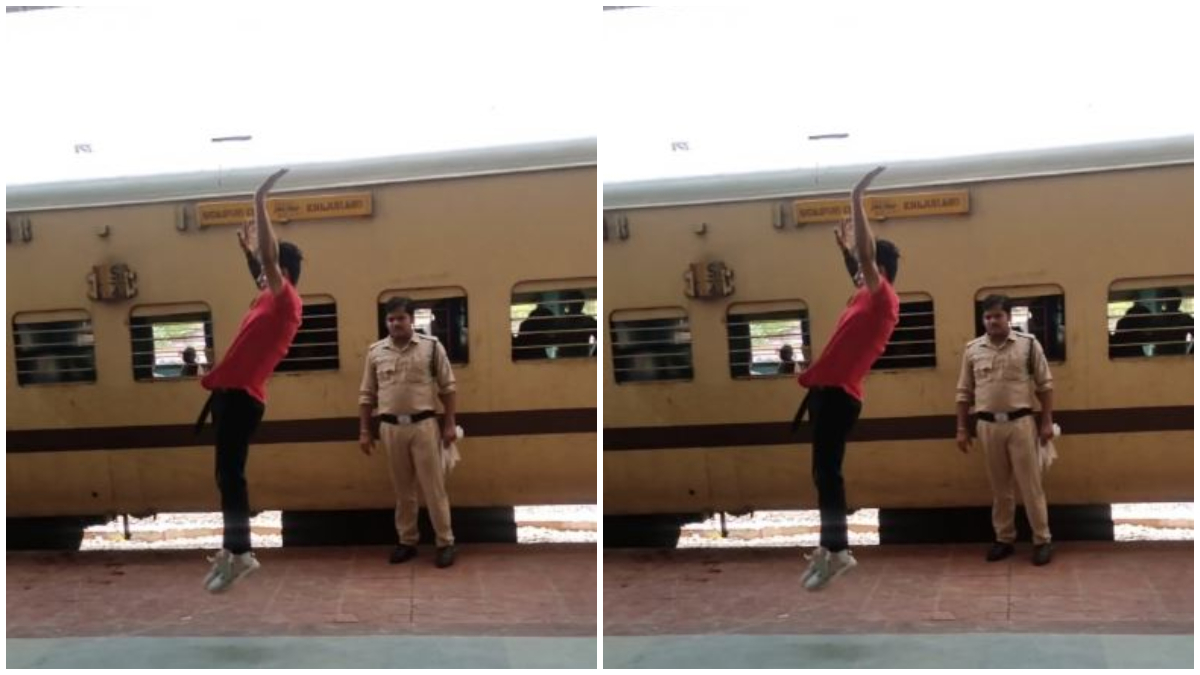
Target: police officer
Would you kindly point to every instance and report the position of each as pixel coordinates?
(1001, 371)
(405, 373)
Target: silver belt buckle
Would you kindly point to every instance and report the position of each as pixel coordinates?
(1001, 417)
(404, 419)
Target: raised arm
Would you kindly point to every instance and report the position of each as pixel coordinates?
(864, 240)
(268, 245)
(842, 234)
(246, 241)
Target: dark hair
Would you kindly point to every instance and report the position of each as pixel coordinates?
(573, 302)
(887, 257)
(289, 260)
(994, 301)
(399, 304)
(189, 355)
(1173, 303)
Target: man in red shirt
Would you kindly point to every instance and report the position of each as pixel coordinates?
(238, 384)
(835, 381)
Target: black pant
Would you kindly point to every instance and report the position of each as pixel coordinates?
(833, 413)
(236, 415)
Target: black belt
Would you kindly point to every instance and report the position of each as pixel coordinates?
(407, 419)
(798, 418)
(206, 411)
(1004, 417)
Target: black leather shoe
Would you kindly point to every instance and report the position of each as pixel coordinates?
(445, 556)
(1042, 553)
(403, 553)
(999, 551)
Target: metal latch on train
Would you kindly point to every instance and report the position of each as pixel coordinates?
(708, 280)
(112, 282)
(616, 226)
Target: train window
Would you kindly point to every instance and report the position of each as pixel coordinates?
(651, 345)
(553, 320)
(170, 341)
(913, 344)
(768, 339)
(440, 312)
(54, 347)
(1038, 310)
(1151, 317)
(315, 346)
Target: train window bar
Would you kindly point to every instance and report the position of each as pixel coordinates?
(913, 343)
(169, 331)
(438, 312)
(1039, 310)
(1151, 318)
(667, 355)
(315, 347)
(759, 335)
(67, 357)
(552, 321)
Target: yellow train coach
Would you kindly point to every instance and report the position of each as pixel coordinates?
(122, 291)
(718, 289)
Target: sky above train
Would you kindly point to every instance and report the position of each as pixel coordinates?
(101, 92)
(130, 91)
(855, 82)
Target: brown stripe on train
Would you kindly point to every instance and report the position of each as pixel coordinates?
(507, 423)
(931, 427)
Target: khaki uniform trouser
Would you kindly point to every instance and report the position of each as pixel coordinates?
(1011, 452)
(415, 455)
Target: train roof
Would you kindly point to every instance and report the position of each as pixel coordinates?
(241, 182)
(792, 183)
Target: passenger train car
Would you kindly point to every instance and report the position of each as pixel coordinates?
(707, 279)
(111, 281)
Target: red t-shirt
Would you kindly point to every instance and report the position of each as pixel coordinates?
(859, 338)
(261, 343)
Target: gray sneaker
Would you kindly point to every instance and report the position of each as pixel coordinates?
(826, 567)
(221, 559)
(815, 559)
(229, 568)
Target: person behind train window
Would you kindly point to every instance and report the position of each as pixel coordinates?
(1172, 326)
(190, 367)
(404, 376)
(1131, 337)
(533, 335)
(238, 383)
(834, 381)
(1002, 372)
(787, 366)
(574, 330)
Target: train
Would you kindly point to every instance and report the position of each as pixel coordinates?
(110, 281)
(708, 279)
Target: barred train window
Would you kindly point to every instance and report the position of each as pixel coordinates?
(553, 320)
(1151, 317)
(913, 343)
(440, 312)
(651, 345)
(54, 347)
(315, 346)
(1039, 310)
(170, 341)
(768, 339)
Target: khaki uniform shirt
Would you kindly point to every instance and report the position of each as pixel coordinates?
(399, 381)
(997, 379)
